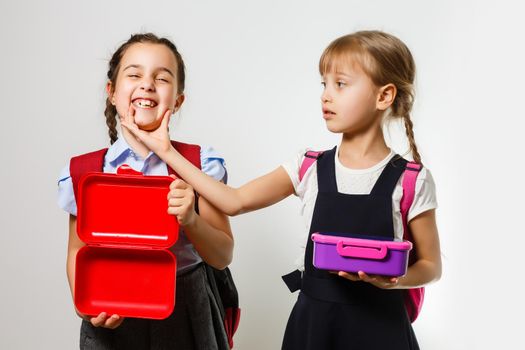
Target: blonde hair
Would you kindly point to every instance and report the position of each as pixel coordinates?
(386, 60)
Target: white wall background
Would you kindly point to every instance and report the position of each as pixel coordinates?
(253, 93)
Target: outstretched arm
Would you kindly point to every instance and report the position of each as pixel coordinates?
(259, 193)
(256, 194)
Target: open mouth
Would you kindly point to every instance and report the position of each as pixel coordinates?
(144, 103)
(328, 113)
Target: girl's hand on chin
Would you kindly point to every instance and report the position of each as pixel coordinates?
(158, 140)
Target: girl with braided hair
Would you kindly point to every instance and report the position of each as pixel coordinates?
(146, 80)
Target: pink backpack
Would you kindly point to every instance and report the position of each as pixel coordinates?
(413, 297)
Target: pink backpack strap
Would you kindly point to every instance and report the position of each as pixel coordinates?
(309, 158)
(413, 298)
(409, 191)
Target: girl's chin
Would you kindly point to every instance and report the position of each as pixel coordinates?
(334, 128)
(149, 126)
(147, 121)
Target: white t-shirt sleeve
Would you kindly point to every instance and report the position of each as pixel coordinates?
(292, 167)
(425, 194)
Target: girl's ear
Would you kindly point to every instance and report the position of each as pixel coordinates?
(109, 91)
(386, 96)
(178, 102)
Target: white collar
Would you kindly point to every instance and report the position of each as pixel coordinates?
(119, 148)
(373, 168)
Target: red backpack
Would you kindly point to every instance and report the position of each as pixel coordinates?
(413, 297)
(221, 281)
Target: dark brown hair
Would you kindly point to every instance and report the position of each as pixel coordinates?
(386, 60)
(114, 66)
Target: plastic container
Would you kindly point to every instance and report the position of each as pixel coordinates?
(375, 257)
(125, 268)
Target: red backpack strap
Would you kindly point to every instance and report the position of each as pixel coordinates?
(309, 158)
(94, 161)
(188, 151)
(193, 154)
(413, 297)
(79, 165)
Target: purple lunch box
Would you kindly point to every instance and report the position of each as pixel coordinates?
(374, 257)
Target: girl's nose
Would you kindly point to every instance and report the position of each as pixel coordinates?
(147, 84)
(325, 96)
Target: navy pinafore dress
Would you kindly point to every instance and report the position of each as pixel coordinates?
(334, 313)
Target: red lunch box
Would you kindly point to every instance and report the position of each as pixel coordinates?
(126, 267)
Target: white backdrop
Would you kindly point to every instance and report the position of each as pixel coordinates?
(253, 93)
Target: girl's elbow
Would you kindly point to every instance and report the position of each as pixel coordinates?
(239, 208)
(228, 256)
(222, 263)
(434, 272)
(438, 273)
(225, 263)
(234, 211)
(239, 205)
(224, 259)
(233, 208)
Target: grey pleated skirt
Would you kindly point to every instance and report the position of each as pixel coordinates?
(195, 324)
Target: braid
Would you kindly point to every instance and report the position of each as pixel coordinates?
(401, 109)
(409, 127)
(111, 120)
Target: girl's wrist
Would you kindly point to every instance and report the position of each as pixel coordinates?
(191, 224)
(170, 151)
